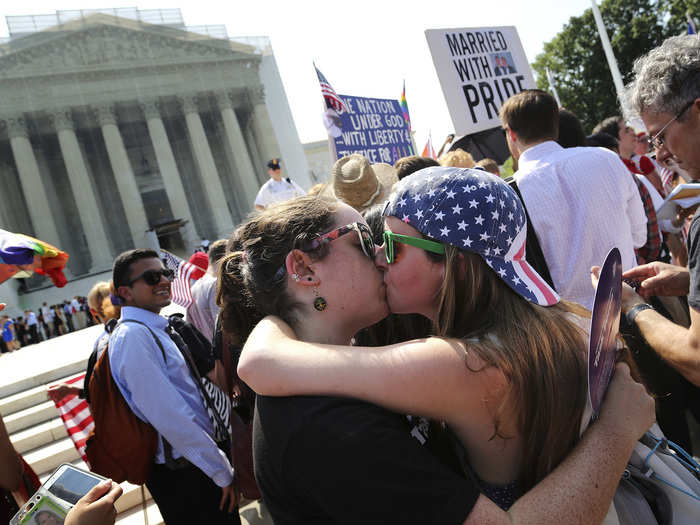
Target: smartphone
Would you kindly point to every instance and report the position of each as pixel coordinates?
(50, 504)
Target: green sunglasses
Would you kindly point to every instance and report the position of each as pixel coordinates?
(424, 244)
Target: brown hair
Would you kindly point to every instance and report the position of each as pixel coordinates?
(457, 159)
(407, 165)
(532, 114)
(489, 165)
(252, 277)
(540, 351)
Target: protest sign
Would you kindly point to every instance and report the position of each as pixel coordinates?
(479, 69)
(372, 127)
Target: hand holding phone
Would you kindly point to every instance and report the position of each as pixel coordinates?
(51, 503)
(97, 506)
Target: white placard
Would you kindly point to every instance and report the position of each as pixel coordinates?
(479, 68)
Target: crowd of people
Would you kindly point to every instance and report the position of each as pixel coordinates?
(411, 340)
(50, 321)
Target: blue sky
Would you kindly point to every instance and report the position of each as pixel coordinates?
(364, 48)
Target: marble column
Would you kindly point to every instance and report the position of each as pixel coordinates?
(123, 175)
(239, 152)
(81, 185)
(169, 172)
(31, 183)
(262, 126)
(211, 182)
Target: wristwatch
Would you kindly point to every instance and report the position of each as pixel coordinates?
(634, 311)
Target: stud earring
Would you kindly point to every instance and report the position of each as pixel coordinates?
(320, 303)
(295, 277)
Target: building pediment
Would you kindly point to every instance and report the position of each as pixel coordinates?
(103, 41)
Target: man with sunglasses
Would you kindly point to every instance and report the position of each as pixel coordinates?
(666, 94)
(191, 479)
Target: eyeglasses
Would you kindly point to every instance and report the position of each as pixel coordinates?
(363, 232)
(152, 277)
(657, 141)
(418, 242)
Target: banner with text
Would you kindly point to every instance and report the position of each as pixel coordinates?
(479, 69)
(374, 128)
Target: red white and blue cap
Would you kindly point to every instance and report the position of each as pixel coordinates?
(474, 211)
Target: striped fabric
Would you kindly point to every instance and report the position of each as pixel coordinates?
(181, 289)
(329, 95)
(76, 417)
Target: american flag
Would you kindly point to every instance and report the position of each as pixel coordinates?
(76, 417)
(474, 211)
(181, 289)
(329, 95)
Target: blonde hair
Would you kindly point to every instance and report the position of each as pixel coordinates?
(99, 292)
(457, 159)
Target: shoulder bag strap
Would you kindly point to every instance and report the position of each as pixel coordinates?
(533, 250)
(180, 343)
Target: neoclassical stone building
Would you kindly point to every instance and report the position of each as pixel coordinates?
(114, 131)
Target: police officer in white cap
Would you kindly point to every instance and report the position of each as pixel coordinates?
(278, 188)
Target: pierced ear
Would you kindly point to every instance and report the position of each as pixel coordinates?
(299, 263)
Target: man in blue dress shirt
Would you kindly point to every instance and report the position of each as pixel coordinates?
(196, 483)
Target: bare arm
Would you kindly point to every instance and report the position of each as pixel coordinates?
(580, 489)
(418, 377)
(11, 467)
(677, 345)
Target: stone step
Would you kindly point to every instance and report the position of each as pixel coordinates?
(30, 417)
(38, 435)
(37, 365)
(47, 458)
(31, 397)
(135, 515)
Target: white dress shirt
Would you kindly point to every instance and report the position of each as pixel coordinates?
(274, 191)
(582, 202)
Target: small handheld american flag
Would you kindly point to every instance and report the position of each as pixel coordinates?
(181, 289)
(329, 95)
(76, 416)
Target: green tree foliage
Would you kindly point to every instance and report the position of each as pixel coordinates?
(576, 59)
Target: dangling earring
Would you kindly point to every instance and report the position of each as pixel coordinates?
(319, 303)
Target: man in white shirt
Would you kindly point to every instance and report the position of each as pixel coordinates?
(203, 311)
(582, 201)
(277, 189)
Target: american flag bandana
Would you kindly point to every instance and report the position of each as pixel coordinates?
(474, 211)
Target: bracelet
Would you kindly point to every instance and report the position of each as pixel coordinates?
(634, 311)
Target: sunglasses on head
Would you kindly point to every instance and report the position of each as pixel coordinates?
(424, 244)
(363, 232)
(152, 277)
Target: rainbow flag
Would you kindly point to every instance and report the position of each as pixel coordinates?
(404, 106)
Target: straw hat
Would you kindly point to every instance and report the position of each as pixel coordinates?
(360, 184)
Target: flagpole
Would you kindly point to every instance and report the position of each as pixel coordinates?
(612, 63)
(552, 86)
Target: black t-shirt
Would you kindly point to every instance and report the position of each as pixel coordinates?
(323, 460)
(694, 262)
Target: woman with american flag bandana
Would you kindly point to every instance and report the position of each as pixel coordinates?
(506, 371)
